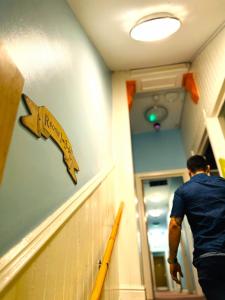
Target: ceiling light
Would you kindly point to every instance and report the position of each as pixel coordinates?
(155, 27)
(155, 212)
(156, 197)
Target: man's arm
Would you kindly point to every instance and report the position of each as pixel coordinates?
(174, 236)
(174, 240)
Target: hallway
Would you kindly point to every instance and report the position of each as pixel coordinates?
(177, 296)
(87, 114)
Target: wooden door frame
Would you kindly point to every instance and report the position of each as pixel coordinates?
(163, 261)
(213, 125)
(147, 264)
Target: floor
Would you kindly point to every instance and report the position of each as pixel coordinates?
(176, 296)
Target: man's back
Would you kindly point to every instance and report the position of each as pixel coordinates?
(204, 204)
(202, 200)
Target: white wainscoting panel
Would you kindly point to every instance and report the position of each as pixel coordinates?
(65, 263)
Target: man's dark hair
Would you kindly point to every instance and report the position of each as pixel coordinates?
(197, 163)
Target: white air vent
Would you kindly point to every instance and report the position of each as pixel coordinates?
(160, 78)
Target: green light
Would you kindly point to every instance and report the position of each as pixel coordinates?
(152, 117)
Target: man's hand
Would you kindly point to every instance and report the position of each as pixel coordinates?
(174, 269)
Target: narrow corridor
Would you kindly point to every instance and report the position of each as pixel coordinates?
(129, 113)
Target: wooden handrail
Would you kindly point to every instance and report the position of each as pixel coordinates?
(96, 293)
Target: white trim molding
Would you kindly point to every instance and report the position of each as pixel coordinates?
(214, 129)
(132, 292)
(160, 174)
(147, 263)
(17, 257)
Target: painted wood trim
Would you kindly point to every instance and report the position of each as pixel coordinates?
(165, 173)
(147, 263)
(17, 258)
(132, 293)
(169, 173)
(145, 253)
(219, 102)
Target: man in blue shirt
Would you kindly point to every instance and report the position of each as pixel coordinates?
(202, 200)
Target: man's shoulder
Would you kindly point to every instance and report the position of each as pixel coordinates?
(184, 186)
(217, 179)
(186, 189)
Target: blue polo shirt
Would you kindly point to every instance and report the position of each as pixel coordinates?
(202, 200)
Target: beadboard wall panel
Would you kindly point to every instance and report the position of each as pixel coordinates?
(66, 267)
(208, 68)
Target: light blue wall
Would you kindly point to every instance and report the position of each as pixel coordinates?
(155, 151)
(63, 72)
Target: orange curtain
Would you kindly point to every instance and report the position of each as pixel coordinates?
(131, 90)
(190, 86)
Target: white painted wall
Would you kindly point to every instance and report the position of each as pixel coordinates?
(130, 284)
(208, 68)
(67, 265)
(63, 72)
(76, 87)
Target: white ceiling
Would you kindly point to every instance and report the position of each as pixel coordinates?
(158, 86)
(108, 23)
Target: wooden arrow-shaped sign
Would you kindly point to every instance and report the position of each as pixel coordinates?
(42, 123)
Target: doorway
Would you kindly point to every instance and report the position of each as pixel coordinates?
(215, 125)
(160, 271)
(222, 118)
(153, 223)
(205, 149)
(211, 159)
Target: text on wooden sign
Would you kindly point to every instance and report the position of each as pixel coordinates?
(42, 123)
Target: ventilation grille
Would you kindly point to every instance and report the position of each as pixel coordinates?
(158, 182)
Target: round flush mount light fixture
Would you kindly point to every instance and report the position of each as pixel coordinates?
(155, 27)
